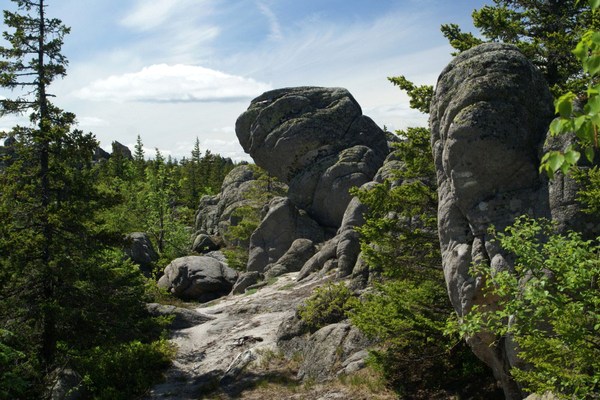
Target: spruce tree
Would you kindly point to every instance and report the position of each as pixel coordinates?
(545, 31)
(33, 200)
(54, 257)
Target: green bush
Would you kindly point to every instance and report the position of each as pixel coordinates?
(123, 371)
(553, 304)
(327, 305)
(415, 356)
(13, 368)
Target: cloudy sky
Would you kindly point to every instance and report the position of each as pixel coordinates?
(174, 70)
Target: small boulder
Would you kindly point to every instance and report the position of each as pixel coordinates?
(329, 347)
(204, 243)
(299, 252)
(246, 280)
(198, 278)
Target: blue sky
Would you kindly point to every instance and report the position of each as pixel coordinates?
(174, 70)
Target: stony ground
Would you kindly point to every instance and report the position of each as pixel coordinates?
(243, 329)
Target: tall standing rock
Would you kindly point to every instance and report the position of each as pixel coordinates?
(318, 142)
(489, 118)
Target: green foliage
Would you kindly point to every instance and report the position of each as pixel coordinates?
(420, 96)
(13, 368)
(123, 371)
(583, 122)
(327, 305)
(407, 311)
(461, 41)
(399, 237)
(589, 195)
(552, 303)
(416, 357)
(64, 287)
(545, 31)
(237, 257)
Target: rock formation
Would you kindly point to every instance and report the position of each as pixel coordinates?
(489, 118)
(139, 249)
(318, 142)
(239, 188)
(281, 226)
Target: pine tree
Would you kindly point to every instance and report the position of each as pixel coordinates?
(545, 31)
(54, 259)
(29, 65)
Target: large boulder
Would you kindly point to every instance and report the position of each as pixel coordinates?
(489, 117)
(330, 350)
(198, 278)
(318, 142)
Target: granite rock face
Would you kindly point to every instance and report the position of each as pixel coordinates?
(281, 226)
(216, 213)
(489, 117)
(318, 142)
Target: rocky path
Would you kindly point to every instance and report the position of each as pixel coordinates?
(242, 328)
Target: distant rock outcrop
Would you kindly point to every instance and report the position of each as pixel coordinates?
(318, 142)
(489, 119)
(239, 188)
(139, 249)
(121, 150)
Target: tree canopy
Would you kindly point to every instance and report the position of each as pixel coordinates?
(544, 30)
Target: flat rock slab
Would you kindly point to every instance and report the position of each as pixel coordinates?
(241, 323)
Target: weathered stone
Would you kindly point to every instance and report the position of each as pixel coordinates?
(323, 188)
(183, 318)
(121, 150)
(293, 260)
(282, 225)
(315, 263)
(139, 249)
(328, 347)
(216, 213)
(489, 115)
(245, 280)
(318, 141)
(100, 154)
(198, 278)
(237, 366)
(66, 386)
(204, 243)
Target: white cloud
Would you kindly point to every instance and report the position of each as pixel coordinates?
(274, 25)
(171, 84)
(148, 15)
(91, 122)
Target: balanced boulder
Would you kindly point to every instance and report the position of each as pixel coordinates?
(318, 142)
